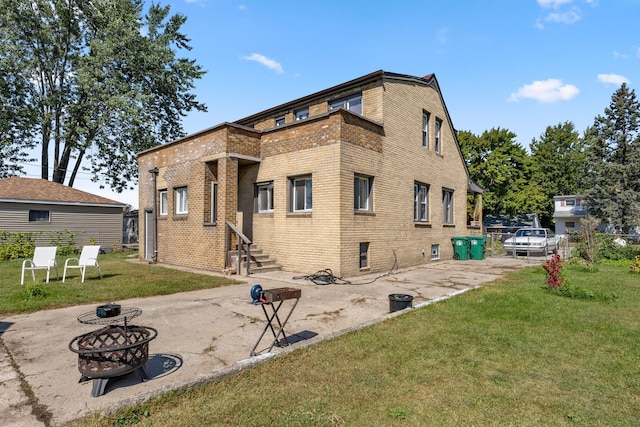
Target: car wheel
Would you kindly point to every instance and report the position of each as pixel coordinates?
(456, 256)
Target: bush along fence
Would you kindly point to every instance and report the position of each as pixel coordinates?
(18, 245)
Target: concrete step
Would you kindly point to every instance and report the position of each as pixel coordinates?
(260, 261)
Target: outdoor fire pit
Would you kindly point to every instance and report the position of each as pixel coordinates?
(111, 352)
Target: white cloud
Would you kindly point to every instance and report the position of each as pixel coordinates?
(616, 79)
(569, 17)
(552, 3)
(267, 62)
(441, 35)
(547, 91)
(619, 55)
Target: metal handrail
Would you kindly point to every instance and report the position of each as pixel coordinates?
(241, 238)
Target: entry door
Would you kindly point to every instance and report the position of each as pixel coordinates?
(149, 235)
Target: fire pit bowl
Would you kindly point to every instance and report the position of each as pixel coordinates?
(111, 352)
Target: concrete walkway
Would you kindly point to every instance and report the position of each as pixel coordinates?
(203, 335)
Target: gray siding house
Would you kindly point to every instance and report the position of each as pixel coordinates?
(38, 205)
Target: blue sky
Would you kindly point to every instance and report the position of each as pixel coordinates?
(522, 65)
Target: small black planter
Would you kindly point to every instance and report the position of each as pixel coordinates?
(399, 302)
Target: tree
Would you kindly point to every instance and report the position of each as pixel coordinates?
(502, 167)
(558, 165)
(613, 156)
(98, 82)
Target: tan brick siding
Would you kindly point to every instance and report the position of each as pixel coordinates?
(331, 148)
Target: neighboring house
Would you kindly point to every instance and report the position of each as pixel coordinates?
(361, 177)
(38, 205)
(509, 223)
(568, 211)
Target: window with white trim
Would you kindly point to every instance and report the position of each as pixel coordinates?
(435, 252)
(38, 216)
(301, 114)
(425, 129)
(352, 103)
(570, 202)
(301, 194)
(362, 193)
(447, 206)
(163, 197)
(420, 202)
(182, 201)
(364, 254)
(438, 140)
(265, 197)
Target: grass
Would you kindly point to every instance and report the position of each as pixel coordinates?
(509, 353)
(121, 280)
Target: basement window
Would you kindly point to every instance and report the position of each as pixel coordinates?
(435, 252)
(364, 254)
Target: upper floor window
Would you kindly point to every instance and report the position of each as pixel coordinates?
(182, 201)
(447, 206)
(352, 103)
(38, 216)
(420, 202)
(164, 202)
(438, 140)
(570, 202)
(301, 194)
(280, 121)
(265, 197)
(362, 193)
(301, 114)
(425, 129)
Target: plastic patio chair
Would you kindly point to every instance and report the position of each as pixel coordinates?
(88, 258)
(44, 258)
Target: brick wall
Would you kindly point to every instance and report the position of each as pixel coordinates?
(331, 147)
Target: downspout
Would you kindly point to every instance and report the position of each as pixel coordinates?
(154, 173)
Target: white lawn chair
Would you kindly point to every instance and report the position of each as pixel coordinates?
(44, 257)
(88, 258)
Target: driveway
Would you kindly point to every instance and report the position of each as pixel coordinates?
(205, 334)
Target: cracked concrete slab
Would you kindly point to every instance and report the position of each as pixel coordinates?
(203, 335)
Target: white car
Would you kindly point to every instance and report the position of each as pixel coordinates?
(532, 241)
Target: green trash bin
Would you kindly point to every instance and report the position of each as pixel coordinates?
(461, 247)
(478, 245)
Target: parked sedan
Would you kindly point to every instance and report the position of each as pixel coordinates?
(538, 241)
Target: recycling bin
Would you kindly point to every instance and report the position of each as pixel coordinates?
(461, 247)
(478, 245)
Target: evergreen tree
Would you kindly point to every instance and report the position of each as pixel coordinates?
(558, 165)
(92, 82)
(613, 155)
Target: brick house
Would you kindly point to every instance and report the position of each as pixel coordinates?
(358, 178)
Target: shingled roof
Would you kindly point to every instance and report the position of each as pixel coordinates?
(30, 190)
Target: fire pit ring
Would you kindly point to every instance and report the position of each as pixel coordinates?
(111, 352)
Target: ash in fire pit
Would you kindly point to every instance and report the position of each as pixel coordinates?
(111, 352)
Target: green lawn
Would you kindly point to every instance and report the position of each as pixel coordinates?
(122, 279)
(507, 354)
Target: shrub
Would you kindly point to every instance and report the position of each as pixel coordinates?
(34, 290)
(553, 267)
(635, 265)
(570, 291)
